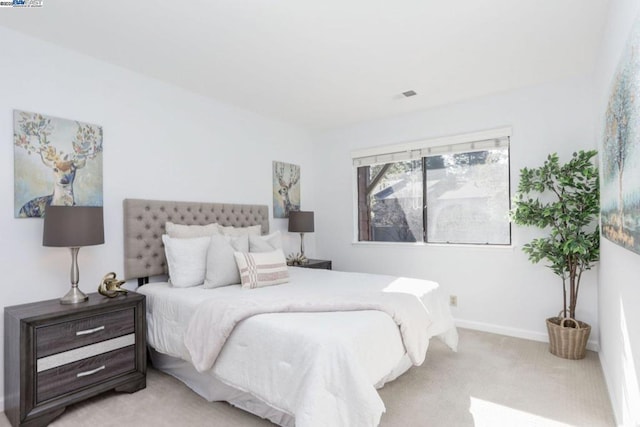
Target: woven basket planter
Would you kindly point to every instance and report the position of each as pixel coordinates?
(565, 341)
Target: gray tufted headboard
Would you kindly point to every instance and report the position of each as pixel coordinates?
(144, 226)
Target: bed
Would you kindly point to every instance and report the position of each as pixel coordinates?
(334, 338)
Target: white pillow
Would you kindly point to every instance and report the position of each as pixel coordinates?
(181, 231)
(254, 230)
(187, 260)
(221, 265)
(266, 243)
(260, 269)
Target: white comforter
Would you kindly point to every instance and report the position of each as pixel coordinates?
(215, 319)
(319, 367)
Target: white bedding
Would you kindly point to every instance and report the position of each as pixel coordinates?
(320, 368)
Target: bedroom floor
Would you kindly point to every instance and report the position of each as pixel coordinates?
(493, 380)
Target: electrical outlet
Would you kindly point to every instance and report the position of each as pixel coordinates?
(453, 300)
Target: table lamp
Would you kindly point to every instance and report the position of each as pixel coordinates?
(73, 227)
(301, 222)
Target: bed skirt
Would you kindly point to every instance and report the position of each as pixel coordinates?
(213, 389)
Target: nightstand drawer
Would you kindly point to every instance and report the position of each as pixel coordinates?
(73, 376)
(80, 332)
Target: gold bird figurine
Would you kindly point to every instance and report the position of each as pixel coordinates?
(110, 286)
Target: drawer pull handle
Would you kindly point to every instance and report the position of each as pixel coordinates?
(91, 372)
(90, 331)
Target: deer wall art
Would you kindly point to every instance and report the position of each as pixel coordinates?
(286, 189)
(50, 155)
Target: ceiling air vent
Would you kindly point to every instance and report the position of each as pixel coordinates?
(409, 93)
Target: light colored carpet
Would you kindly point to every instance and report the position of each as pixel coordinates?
(492, 380)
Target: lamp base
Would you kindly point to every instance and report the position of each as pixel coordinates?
(74, 296)
(302, 244)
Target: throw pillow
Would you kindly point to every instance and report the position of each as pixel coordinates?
(254, 230)
(266, 243)
(262, 268)
(221, 264)
(187, 260)
(182, 231)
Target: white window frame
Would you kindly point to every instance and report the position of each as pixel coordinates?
(476, 141)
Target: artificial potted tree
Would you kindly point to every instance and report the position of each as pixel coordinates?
(563, 199)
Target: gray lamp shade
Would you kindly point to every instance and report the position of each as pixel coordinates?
(73, 226)
(301, 222)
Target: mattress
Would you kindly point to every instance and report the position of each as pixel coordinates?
(264, 363)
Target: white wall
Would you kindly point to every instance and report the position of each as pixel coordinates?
(160, 142)
(619, 286)
(498, 289)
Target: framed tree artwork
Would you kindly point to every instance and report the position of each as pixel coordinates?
(620, 195)
(56, 162)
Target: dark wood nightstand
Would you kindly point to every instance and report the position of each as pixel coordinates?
(56, 355)
(317, 263)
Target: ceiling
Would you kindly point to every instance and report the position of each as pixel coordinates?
(327, 63)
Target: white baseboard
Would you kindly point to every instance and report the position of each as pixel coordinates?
(513, 332)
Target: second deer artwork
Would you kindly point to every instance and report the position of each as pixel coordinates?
(286, 189)
(57, 162)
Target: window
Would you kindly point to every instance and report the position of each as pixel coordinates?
(454, 193)
(390, 201)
